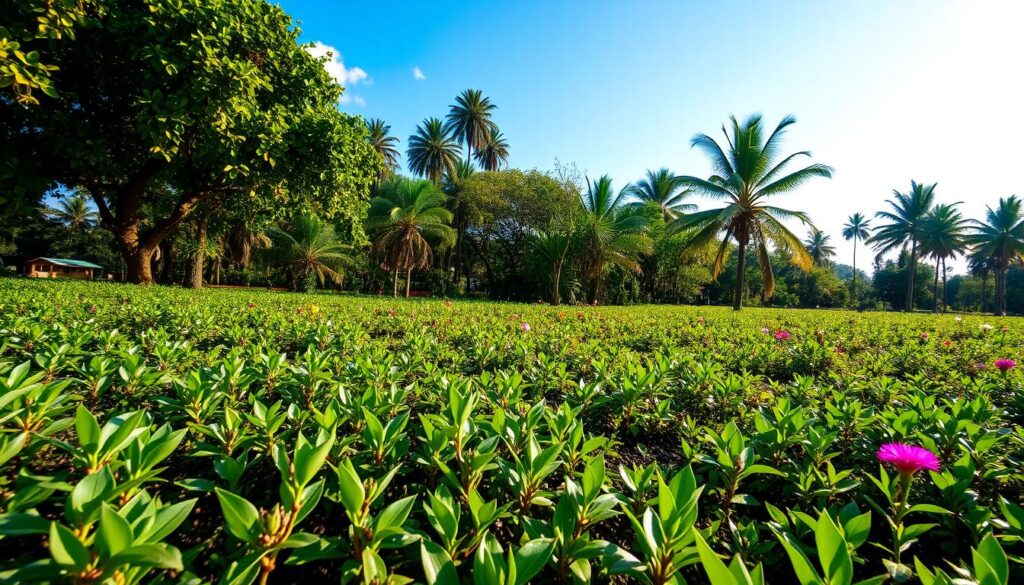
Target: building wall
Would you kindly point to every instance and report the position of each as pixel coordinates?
(47, 270)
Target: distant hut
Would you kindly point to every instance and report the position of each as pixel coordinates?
(60, 268)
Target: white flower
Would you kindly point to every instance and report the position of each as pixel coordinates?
(985, 327)
(958, 318)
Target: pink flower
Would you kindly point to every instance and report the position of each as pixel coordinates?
(92, 309)
(525, 326)
(782, 335)
(947, 343)
(1005, 365)
(908, 459)
(924, 337)
(251, 305)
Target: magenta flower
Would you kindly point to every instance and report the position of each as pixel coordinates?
(1005, 365)
(908, 459)
(525, 326)
(782, 335)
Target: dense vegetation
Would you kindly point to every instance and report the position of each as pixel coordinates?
(166, 434)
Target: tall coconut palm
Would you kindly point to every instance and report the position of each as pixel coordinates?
(385, 144)
(492, 154)
(905, 228)
(433, 151)
(747, 175)
(664, 189)
(310, 248)
(552, 249)
(857, 228)
(74, 212)
(611, 233)
(944, 237)
(819, 248)
(469, 120)
(1001, 238)
(980, 266)
(405, 219)
(464, 214)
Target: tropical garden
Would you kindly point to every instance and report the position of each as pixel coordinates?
(248, 395)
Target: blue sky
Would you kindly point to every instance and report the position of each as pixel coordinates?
(884, 91)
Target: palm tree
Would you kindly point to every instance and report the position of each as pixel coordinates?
(403, 219)
(492, 154)
(74, 211)
(612, 232)
(469, 120)
(746, 176)
(857, 228)
(310, 247)
(552, 249)
(385, 145)
(464, 213)
(819, 248)
(980, 265)
(944, 237)
(432, 151)
(1001, 238)
(905, 227)
(667, 191)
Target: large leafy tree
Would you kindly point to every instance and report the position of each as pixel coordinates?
(385, 144)
(311, 250)
(469, 120)
(944, 237)
(433, 152)
(858, 229)
(819, 246)
(611, 232)
(665, 190)
(905, 228)
(163, 107)
(747, 172)
(407, 218)
(1000, 238)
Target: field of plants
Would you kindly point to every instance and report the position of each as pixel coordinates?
(165, 435)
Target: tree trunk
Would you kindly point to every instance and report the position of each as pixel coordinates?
(854, 303)
(911, 277)
(394, 292)
(1002, 290)
(741, 268)
(195, 279)
(167, 270)
(945, 301)
(984, 290)
(557, 291)
(935, 292)
(408, 282)
(139, 265)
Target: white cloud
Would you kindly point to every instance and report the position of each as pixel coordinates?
(345, 76)
(417, 73)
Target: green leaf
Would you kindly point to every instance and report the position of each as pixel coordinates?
(87, 428)
(66, 549)
(20, 524)
(352, 493)
(531, 558)
(437, 565)
(716, 570)
(241, 516)
(990, 564)
(153, 556)
(114, 533)
(833, 552)
(374, 569)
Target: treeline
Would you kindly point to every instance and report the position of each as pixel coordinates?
(230, 163)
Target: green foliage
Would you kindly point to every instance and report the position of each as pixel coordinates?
(168, 434)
